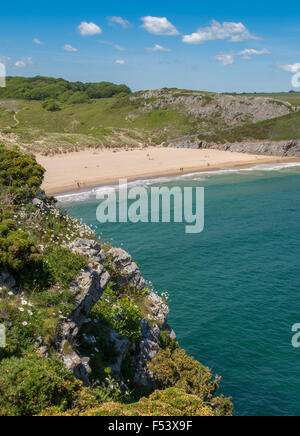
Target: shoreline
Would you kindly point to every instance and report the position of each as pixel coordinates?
(76, 172)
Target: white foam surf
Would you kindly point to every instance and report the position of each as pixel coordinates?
(90, 194)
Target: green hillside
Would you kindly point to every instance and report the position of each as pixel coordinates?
(45, 115)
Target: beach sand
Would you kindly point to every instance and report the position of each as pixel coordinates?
(75, 171)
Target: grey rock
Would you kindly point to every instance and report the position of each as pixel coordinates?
(40, 204)
(89, 248)
(121, 346)
(149, 342)
(266, 148)
(88, 289)
(129, 272)
(172, 335)
(7, 281)
(229, 110)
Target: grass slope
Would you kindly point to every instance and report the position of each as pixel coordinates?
(123, 121)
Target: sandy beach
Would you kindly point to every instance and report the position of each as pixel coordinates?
(75, 171)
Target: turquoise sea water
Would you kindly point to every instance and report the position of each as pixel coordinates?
(235, 288)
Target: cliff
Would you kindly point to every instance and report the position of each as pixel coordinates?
(85, 333)
(264, 148)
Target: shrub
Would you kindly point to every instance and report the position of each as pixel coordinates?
(65, 265)
(122, 314)
(20, 174)
(16, 246)
(166, 341)
(30, 384)
(176, 368)
(78, 98)
(51, 106)
(169, 402)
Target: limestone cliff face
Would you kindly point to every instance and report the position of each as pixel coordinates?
(267, 148)
(88, 289)
(229, 110)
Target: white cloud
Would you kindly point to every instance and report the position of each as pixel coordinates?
(116, 46)
(120, 62)
(295, 69)
(68, 47)
(228, 58)
(119, 20)
(37, 41)
(158, 47)
(159, 26)
(246, 54)
(89, 29)
(234, 32)
(119, 47)
(23, 63)
(290, 68)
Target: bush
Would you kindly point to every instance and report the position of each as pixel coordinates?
(122, 314)
(20, 174)
(78, 98)
(30, 384)
(51, 106)
(169, 402)
(176, 368)
(16, 247)
(65, 265)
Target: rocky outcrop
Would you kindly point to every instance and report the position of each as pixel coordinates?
(267, 148)
(121, 346)
(149, 342)
(231, 110)
(129, 273)
(87, 289)
(91, 249)
(187, 142)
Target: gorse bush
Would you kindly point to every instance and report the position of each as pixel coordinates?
(177, 369)
(169, 402)
(16, 247)
(20, 174)
(30, 384)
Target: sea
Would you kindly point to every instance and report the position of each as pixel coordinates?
(234, 288)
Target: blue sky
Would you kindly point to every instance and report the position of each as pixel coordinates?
(215, 46)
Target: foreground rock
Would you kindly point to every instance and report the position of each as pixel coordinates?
(88, 289)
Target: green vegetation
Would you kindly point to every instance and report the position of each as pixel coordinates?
(122, 314)
(65, 265)
(292, 97)
(44, 88)
(48, 116)
(169, 402)
(19, 174)
(282, 128)
(30, 384)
